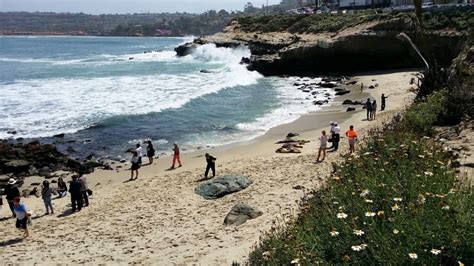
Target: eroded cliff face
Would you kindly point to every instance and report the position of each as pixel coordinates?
(365, 47)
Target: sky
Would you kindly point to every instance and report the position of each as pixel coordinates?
(126, 6)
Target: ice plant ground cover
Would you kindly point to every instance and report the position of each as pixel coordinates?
(423, 211)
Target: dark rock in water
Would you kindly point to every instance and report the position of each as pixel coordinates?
(245, 60)
(339, 89)
(320, 102)
(185, 49)
(205, 71)
(222, 186)
(350, 109)
(73, 164)
(240, 213)
(315, 93)
(59, 135)
(306, 90)
(352, 82)
(90, 156)
(339, 93)
(70, 149)
(292, 135)
(328, 85)
(352, 102)
(12, 132)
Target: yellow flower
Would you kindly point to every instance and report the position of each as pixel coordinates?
(435, 251)
(358, 232)
(397, 199)
(413, 256)
(370, 214)
(341, 215)
(395, 231)
(395, 207)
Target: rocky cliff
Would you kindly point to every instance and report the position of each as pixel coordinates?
(369, 45)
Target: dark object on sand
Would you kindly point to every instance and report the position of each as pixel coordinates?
(240, 213)
(339, 93)
(292, 135)
(222, 186)
(350, 109)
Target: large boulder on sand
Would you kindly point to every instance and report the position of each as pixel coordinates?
(17, 166)
(240, 213)
(222, 186)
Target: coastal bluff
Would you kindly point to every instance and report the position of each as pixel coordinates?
(366, 45)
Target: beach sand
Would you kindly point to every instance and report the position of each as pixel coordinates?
(158, 219)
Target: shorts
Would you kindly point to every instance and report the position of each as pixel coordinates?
(21, 223)
(135, 166)
(352, 141)
(323, 146)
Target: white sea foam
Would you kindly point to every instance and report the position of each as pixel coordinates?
(44, 107)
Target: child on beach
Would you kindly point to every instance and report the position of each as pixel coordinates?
(22, 215)
(62, 187)
(211, 165)
(135, 165)
(175, 155)
(323, 145)
(139, 152)
(352, 136)
(46, 196)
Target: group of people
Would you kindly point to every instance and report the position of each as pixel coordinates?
(371, 107)
(136, 160)
(335, 138)
(78, 190)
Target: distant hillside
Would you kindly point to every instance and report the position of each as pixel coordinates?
(147, 24)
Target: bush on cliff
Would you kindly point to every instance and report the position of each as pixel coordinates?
(397, 202)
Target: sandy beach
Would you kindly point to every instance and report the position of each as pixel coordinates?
(158, 219)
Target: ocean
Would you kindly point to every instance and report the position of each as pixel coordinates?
(108, 93)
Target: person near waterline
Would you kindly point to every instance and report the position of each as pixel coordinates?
(322, 146)
(139, 151)
(336, 136)
(211, 165)
(361, 87)
(84, 188)
(352, 137)
(176, 156)
(368, 105)
(11, 190)
(22, 215)
(62, 187)
(76, 195)
(135, 165)
(150, 152)
(383, 98)
(374, 110)
(46, 196)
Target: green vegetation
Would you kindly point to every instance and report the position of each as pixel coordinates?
(397, 202)
(454, 19)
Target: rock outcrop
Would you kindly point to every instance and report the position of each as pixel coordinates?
(240, 213)
(222, 186)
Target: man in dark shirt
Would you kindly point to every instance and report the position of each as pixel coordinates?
(211, 164)
(75, 191)
(383, 101)
(11, 191)
(368, 105)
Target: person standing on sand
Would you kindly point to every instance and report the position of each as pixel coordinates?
(352, 136)
(11, 190)
(139, 151)
(22, 215)
(150, 152)
(135, 165)
(62, 187)
(361, 87)
(76, 196)
(374, 110)
(84, 188)
(176, 156)
(331, 131)
(46, 196)
(336, 136)
(383, 98)
(323, 146)
(211, 165)
(368, 106)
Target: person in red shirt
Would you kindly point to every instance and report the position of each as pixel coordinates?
(352, 136)
(176, 155)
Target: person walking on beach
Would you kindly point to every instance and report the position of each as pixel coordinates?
(323, 146)
(211, 165)
(383, 98)
(374, 110)
(368, 106)
(22, 215)
(11, 190)
(150, 152)
(352, 136)
(84, 188)
(46, 196)
(361, 87)
(336, 136)
(176, 156)
(76, 196)
(139, 151)
(135, 165)
(62, 187)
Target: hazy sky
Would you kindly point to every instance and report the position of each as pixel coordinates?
(126, 6)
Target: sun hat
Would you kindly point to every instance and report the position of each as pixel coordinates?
(11, 181)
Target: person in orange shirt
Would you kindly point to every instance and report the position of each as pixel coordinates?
(352, 136)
